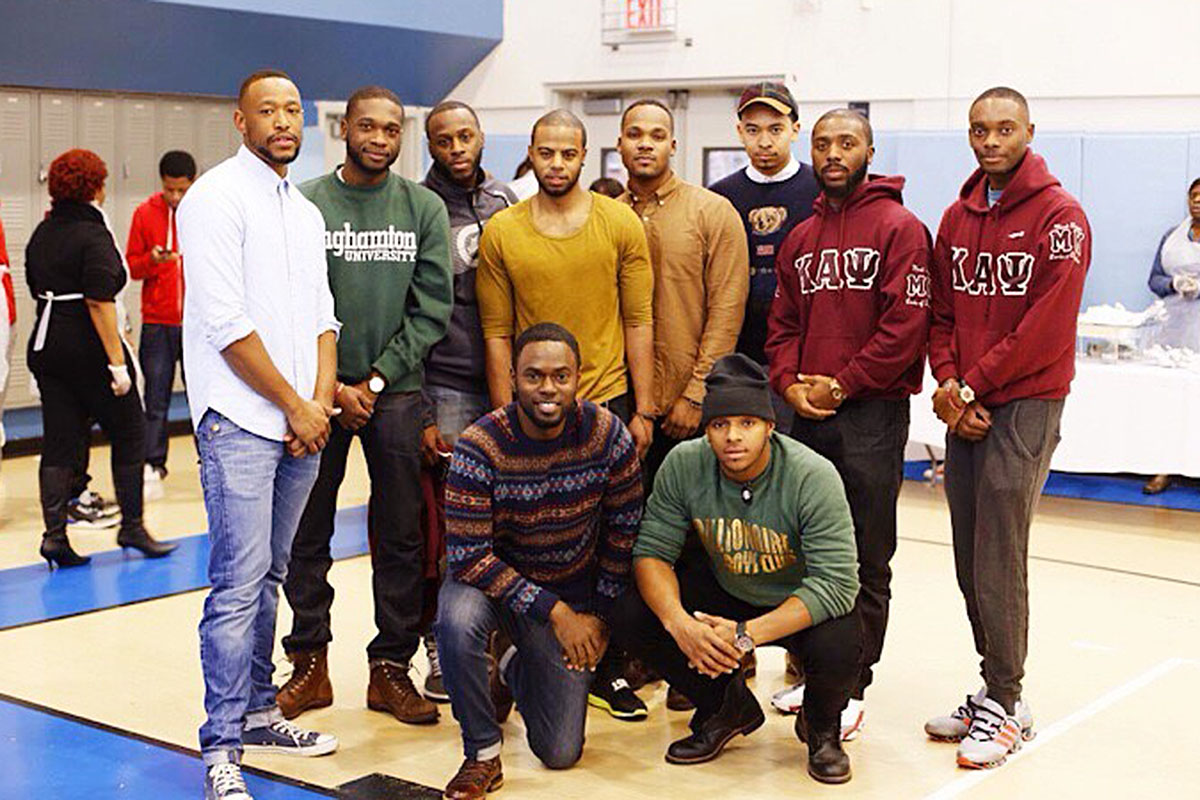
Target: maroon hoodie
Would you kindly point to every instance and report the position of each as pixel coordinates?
(853, 296)
(1007, 281)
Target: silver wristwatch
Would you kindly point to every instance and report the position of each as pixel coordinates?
(743, 641)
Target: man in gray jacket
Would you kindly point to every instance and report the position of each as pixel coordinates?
(455, 376)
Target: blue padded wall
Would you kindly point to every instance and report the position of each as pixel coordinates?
(152, 46)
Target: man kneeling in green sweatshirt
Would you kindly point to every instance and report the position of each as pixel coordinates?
(781, 569)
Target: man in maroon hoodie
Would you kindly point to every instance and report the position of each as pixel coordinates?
(846, 342)
(1008, 270)
(152, 253)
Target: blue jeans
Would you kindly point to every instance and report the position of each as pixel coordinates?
(161, 346)
(254, 494)
(455, 411)
(551, 698)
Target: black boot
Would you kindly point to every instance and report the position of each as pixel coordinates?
(132, 533)
(827, 761)
(55, 489)
(739, 713)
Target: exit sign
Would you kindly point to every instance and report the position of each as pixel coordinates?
(643, 15)
(635, 21)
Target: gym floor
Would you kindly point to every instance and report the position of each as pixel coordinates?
(101, 692)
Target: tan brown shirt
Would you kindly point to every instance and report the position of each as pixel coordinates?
(701, 277)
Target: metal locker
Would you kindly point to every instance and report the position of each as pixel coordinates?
(18, 198)
(215, 122)
(176, 125)
(137, 157)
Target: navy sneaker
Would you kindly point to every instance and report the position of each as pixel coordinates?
(284, 738)
(224, 782)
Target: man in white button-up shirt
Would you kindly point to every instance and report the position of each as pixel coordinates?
(259, 338)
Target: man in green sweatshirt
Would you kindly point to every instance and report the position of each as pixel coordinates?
(781, 569)
(387, 249)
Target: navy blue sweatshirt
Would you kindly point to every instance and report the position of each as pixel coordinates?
(769, 211)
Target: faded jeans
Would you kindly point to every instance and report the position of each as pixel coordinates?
(254, 494)
(551, 698)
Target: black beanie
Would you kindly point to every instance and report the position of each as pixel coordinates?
(737, 386)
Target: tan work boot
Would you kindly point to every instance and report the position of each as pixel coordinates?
(309, 686)
(391, 690)
(475, 779)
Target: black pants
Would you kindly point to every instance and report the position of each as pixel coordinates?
(865, 441)
(830, 651)
(391, 444)
(992, 488)
(70, 402)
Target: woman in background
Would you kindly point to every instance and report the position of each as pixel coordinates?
(82, 367)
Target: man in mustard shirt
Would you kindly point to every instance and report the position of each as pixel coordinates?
(579, 259)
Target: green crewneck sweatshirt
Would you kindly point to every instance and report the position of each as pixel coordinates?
(795, 536)
(388, 250)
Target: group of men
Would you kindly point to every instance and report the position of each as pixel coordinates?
(668, 426)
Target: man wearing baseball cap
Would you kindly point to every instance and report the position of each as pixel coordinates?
(772, 194)
(780, 568)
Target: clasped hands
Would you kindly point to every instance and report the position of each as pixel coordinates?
(971, 421)
(308, 427)
(707, 641)
(1187, 286)
(812, 396)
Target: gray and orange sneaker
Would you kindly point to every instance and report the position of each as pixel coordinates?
(994, 734)
(954, 728)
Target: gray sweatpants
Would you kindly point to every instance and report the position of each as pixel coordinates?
(992, 487)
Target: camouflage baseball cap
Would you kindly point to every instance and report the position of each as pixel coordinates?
(771, 94)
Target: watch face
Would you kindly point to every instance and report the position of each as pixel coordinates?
(966, 394)
(375, 384)
(744, 643)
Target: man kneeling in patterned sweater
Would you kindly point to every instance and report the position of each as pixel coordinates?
(543, 500)
(781, 569)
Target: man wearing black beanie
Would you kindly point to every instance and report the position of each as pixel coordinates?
(781, 568)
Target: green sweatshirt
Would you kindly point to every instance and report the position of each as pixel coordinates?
(795, 537)
(388, 250)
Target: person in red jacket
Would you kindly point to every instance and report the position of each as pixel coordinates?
(846, 343)
(1008, 269)
(153, 256)
(8, 320)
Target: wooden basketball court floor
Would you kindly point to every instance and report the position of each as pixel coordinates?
(1114, 662)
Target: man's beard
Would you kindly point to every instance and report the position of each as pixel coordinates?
(857, 177)
(529, 406)
(265, 151)
(558, 192)
(352, 154)
(448, 173)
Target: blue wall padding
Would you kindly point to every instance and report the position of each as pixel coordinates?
(149, 46)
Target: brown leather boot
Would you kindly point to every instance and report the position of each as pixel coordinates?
(391, 690)
(309, 686)
(475, 779)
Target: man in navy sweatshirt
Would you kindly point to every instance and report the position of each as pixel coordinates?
(1008, 270)
(847, 336)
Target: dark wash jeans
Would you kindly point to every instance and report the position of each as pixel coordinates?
(865, 441)
(551, 698)
(391, 444)
(160, 349)
(830, 651)
(992, 487)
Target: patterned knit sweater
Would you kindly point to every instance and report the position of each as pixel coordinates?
(533, 522)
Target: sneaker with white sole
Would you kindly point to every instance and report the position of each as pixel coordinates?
(152, 483)
(224, 782)
(994, 734)
(791, 700)
(284, 738)
(90, 511)
(953, 728)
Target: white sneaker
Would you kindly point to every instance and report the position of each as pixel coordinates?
(224, 782)
(152, 484)
(791, 700)
(994, 734)
(953, 728)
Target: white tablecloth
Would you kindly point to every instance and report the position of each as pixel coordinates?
(1119, 417)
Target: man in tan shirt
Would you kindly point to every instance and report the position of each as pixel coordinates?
(701, 273)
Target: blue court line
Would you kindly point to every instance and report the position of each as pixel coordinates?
(1101, 488)
(33, 593)
(54, 756)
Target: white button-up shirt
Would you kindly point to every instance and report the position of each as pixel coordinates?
(255, 263)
